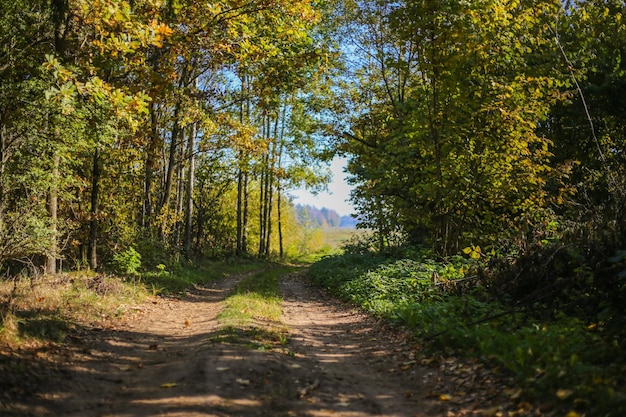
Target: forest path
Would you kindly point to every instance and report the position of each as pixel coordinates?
(168, 360)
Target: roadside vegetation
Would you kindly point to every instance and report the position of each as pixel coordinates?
(46, 309)
(546, 319)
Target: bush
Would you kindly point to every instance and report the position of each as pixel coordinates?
(127, 262)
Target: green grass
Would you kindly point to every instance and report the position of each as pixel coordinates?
(252, 312)
(181, 278)
(336, 237)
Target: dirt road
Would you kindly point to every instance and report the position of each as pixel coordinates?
(167, 360)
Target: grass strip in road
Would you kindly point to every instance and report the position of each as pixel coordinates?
(252, 312)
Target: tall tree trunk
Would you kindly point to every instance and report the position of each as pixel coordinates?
(60, 9)
(262, 212)
(239, 244)
(270, 183)
(191, 145)
(270, 197)
(262, 193)
(93, 223)
(150, 163)
(279, 213)
(4, 158)
(246, 211)
(171, 163)
(180, 197)
(280, 138)
(268, 213)
(53, 204)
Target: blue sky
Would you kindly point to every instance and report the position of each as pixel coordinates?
(335, 198)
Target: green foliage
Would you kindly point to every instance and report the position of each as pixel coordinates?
(382, 285)
(442, 122)
(127, 262)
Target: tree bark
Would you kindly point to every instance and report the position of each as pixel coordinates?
(191, 145)
(240, 176)
(246, 205)
(150, 162)
(281, 251)
(4, 157)
(93, 223)
(180, 197)
(171, 164)
(53, 204)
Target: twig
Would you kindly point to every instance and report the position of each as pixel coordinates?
(306, 390)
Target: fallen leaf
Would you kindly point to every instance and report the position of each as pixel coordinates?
(490, 412)
(187, 323)
(222, 368)
(445, 397)
(514, 394)
(169, 385)
(572, 414)
(241, 381)
(564, 393)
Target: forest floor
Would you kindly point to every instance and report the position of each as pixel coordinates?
(170, 358)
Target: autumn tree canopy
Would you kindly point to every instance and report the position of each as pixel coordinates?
(178, 127)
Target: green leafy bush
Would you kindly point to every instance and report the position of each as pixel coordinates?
(127, 262)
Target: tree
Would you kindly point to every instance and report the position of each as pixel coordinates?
(447, 138)
(588, 129)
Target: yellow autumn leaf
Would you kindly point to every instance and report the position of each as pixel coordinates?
(169, 385)
(445, 397)
(564, 393)
(572, 414)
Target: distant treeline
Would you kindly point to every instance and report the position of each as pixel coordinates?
(323, 217)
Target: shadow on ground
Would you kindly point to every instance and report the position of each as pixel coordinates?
(178, 363)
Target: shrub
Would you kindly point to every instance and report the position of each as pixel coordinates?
(127, 262)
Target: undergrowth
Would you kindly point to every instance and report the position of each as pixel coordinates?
(556, 358)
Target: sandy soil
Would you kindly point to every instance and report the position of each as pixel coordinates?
(166, 359)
